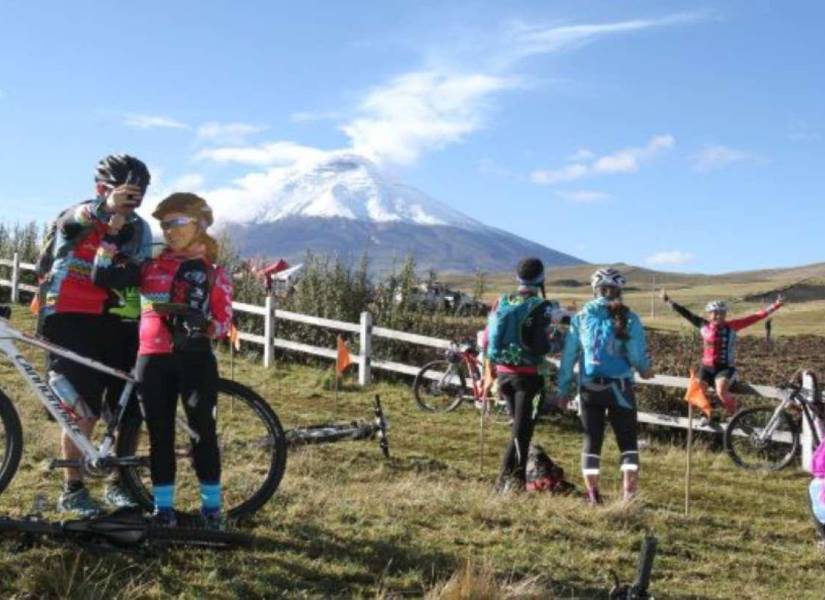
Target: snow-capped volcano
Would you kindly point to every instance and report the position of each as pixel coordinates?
(342, 204)
(349, 186)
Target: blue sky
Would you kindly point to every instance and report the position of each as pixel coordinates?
(678, 135)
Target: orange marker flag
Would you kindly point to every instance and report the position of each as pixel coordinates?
(234, 338)
(344, 359)
(35, 305)
(696, 396)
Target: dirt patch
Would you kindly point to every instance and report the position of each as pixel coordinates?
(804, 291)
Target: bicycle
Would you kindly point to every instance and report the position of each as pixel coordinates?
(441, 385)
(125, 529)
(336, 432)
(638, 590)
(765, 437)
(250, 437)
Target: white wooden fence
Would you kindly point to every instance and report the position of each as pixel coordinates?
(366, 332)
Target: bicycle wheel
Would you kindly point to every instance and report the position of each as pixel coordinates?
(253, 454)
(326, 434)
(748, 450)
(440, 386)
(11, 440)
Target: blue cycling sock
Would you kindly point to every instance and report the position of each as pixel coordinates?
(164, 496)
(210, 497)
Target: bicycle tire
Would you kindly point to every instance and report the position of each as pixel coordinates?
(323, 434)
(272, 446)
(738, 438)
(12, 446)
(201, 537)
(423, 387)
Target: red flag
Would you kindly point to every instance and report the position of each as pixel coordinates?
(35, 305)
(695, 395)
(343, 359)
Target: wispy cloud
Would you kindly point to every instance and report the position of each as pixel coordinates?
(625, 160)
(715, 157)
(140, 121)
(419, 112)
(304, 116)
(670, 257)
(528, 40)
(272, 154)
(227, 133)
(583, 196)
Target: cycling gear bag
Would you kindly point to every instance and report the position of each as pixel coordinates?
(544, 475)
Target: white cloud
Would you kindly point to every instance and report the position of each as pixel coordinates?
(528, 40)
(304, 116)
(227, 133)
(582, 154)
(274, 153)
(583, 196)
(421, 111)
(139, 121)
(626, 160)
(712, 158)
(670, 257)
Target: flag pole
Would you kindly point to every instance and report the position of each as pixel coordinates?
(687, 459)
(481, 436)
(232, 360)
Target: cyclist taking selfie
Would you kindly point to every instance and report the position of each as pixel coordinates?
(83, 317)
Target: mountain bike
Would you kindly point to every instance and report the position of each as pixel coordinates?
(767, 437)
(124, 529)
(638, 590)
(441, 385)
(250, 437)
(337, 432)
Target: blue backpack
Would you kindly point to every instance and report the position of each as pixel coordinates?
(519, 331)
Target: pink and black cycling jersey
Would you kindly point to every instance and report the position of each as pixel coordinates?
(719, 339)
(174, 278)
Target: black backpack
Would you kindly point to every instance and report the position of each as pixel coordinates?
(539, 335)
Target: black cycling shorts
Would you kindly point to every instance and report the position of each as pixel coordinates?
(710, 374)
(103, 338)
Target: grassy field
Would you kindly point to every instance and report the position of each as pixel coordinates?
(347, 523)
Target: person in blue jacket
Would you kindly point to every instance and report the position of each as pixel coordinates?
(607, 341)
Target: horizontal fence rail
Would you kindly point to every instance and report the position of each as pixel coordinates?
(366, 332)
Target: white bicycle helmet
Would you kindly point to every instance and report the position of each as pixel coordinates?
(607, 278)
(716, 306)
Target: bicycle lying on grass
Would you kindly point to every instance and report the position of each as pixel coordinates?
(125, 529)
(441, 385)
(250, 437)
(337, 432)
(767, 437)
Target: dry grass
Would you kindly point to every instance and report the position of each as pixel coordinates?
(346, 523)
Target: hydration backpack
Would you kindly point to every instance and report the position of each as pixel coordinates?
(45, 260)
(521, 330)
(544, 475)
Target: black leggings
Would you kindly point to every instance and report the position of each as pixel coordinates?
(617, 404)
(194, 377)
(518, 391)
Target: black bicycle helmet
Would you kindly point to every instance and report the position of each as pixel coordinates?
(117, 169)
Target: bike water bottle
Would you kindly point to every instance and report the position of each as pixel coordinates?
(65, 391)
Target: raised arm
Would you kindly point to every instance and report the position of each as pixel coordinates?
(739, 324)
(694, 319)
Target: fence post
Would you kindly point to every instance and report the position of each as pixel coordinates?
(807, 439)
(366, 349)
(269, 330)
(15, 278)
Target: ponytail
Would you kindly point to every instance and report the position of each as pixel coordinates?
(619, 315)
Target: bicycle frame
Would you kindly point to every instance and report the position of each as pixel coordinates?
(794, 398)
(96, 458)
